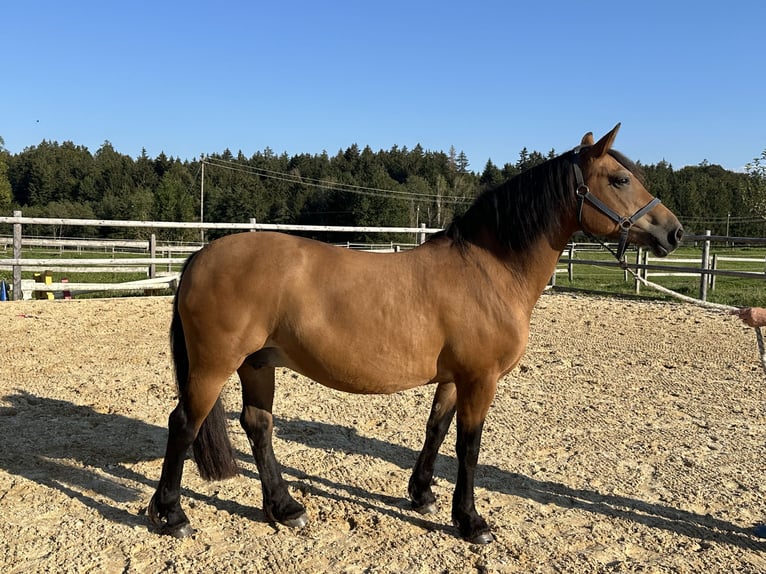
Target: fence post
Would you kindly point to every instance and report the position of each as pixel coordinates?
(712, 275)
(570, 267)
(17, 294)
(152, 254)
(645, 261)
(639, 254)
(252, 223)
(705, 265)
(422, 234)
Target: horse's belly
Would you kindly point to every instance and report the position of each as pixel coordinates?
(363, 371)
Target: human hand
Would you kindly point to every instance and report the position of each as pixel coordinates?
(751, 316)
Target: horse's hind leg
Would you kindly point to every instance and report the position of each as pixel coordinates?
(442, 413)
(198, 404)
(183, 426)
(165, 507)
(258, 423)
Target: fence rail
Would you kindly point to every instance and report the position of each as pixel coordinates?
(164, 256)
(17, 263)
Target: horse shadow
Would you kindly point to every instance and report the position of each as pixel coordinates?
(88, 456)
(84, 454)
(703, 527)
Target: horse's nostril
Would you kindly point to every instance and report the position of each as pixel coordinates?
(674, 237)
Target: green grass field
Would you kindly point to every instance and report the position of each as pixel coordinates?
(733, 291)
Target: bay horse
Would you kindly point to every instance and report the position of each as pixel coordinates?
(454, 312)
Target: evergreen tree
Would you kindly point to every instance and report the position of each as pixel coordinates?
(462, 163)
(6, 193)
(491, 176)
(175, 201)
(660, 181)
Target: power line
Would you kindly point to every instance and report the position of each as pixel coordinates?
(332, 186)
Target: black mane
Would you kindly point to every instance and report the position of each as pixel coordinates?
(517, 212)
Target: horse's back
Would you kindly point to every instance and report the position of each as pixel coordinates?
(252, 264)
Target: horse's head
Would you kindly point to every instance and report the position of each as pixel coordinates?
(614, 203)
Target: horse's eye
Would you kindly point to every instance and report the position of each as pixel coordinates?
(620, 181)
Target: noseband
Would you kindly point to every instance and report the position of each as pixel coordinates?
(625, 223)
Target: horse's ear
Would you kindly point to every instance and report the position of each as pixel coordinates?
(602, 146)
(587, 139)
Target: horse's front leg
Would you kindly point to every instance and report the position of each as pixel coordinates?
(472, 406)
(258, 423)
(442, 413)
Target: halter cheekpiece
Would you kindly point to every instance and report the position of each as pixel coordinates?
(582, 191)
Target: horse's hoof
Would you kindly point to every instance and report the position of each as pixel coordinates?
(483, 538)
(427, 508)
(298, 522)
(181, 531)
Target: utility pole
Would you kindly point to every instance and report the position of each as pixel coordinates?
(202, 198)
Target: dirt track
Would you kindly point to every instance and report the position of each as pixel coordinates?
(631, 438)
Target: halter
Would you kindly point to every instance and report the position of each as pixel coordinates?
(625, 223)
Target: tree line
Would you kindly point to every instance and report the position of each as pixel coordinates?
(355, 187)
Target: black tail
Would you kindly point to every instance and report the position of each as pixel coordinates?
(212, 448)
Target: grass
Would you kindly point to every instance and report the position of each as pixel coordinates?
(735, 291)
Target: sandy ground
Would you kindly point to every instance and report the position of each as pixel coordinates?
(630, 438)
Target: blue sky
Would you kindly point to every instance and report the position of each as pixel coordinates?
(686, 79)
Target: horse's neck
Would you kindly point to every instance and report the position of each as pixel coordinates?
(546, 257)
(529, 272)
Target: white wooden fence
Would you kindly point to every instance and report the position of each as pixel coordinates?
(160, 263)
(706, 267)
